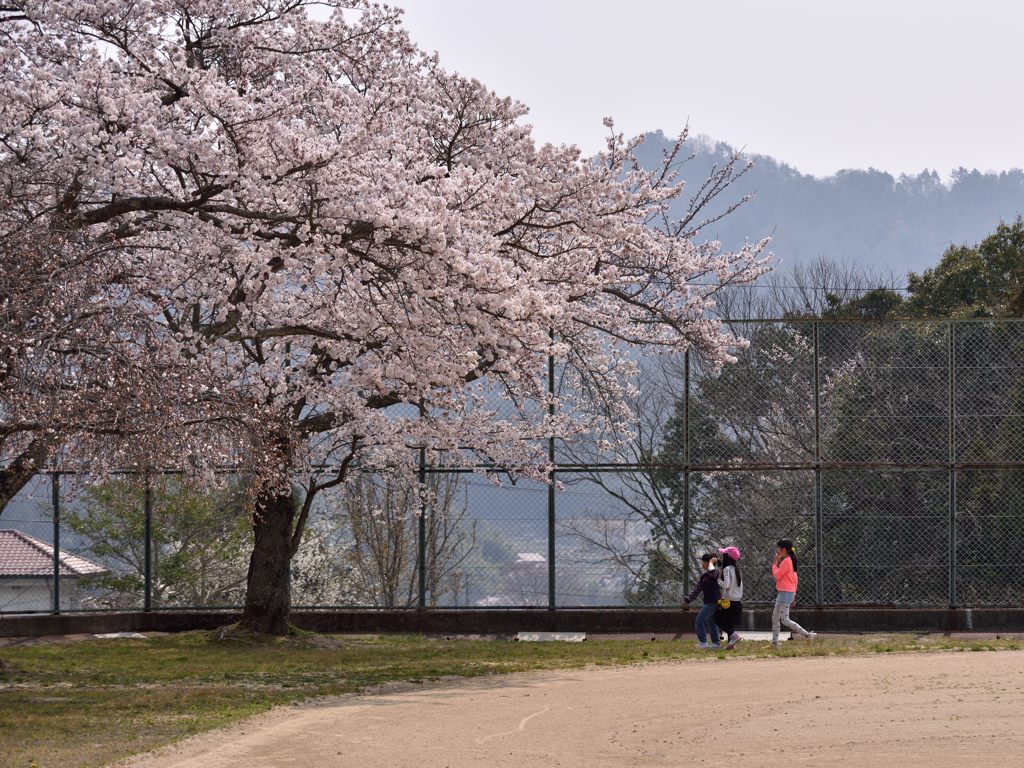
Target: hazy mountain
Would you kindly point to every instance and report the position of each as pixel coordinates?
(867, 217)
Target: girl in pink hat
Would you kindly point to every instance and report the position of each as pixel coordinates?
(730, 580)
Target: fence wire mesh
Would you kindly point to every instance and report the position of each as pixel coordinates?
(988, 412)
(891, 453)
(884, 393)
(759, 410)
(27, 526)
(989, 535)
(885, 537)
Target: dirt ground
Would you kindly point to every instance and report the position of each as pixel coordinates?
(934, 709)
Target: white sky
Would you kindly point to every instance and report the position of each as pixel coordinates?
(899, 85)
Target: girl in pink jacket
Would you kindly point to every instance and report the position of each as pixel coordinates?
(784, 569)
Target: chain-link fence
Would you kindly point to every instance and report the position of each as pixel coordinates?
(891, 453)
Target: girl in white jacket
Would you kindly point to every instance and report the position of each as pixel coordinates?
(730, 611)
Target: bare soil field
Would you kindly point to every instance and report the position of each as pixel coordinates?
(929, 709)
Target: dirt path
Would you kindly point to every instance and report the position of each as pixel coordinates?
(935, 710)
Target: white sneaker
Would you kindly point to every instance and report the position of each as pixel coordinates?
(733, 639)
(703, 646)
(812, 635)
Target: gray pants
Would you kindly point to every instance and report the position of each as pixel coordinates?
(780, 615)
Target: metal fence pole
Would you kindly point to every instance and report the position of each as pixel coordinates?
(421, 535)
(55, 479)
(551, 486)
(952, 560)
(686, 471)
(147, 589)
(819, 533)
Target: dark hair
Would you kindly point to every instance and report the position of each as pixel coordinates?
(787, 545)
(707, 557)
(728, 560)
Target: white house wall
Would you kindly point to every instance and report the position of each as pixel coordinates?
(37, 595)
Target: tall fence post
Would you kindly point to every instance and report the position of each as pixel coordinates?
(147, 554)
(421, 534)
(55, 480)
(819, 533)
(551, 484)
(952, 560)
(686, 471)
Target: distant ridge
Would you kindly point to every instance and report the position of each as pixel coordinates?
(866, 217)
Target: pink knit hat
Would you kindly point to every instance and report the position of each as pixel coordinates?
(731, 552)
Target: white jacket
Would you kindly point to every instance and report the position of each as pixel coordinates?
(731, 588)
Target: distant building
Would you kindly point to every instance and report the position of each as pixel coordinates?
(525, 582)
(530, 560)
(26, 574)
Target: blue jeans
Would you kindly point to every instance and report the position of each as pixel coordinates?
(707, 630)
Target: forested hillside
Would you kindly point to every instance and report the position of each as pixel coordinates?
(866, 217)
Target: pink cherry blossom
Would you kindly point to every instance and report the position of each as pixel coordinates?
(367, 250)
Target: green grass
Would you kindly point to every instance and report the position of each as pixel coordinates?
(88, 703)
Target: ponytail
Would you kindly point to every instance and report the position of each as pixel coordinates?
(787, 545)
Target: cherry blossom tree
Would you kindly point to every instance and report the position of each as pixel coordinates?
(55, 354)
(371, 250)
(84, 383)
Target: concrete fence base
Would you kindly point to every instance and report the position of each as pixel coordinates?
(507, 621)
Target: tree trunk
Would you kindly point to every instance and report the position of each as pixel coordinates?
(19, 472)
(268, 587)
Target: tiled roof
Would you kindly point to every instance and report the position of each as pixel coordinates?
(24, 555)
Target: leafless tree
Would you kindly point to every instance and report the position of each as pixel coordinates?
(808, 289)
(381, 514)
